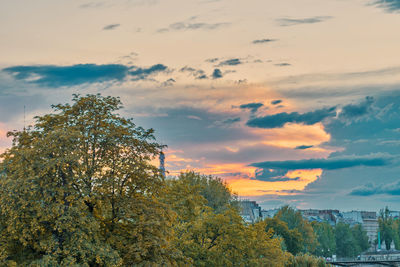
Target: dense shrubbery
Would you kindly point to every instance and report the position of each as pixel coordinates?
(79, 189)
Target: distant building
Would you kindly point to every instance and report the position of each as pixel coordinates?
(371, 226)
(268, 213)
(328, 216)
(250, 211)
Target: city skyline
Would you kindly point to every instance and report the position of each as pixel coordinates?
(290, 102)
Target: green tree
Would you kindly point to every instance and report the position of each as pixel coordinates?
(346, 243)
(360, 237)
(79, 189)
(295, 220)
(215, 235)
(292, 239)
(326, 239)
(386, 227)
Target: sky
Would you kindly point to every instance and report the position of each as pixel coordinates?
(290, 102)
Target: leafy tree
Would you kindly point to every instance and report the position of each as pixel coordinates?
(78, 188)
(292, 239)
(346, 244)
(387, 227)
(326, 239)
(216, 235)
(360, 237)
(295, 220)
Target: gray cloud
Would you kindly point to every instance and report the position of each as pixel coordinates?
(334, 163)
(292, 21)
(264, 41)
(280, 119)
(92, 5)
(252, 106)
(276, 102)
(388, 5)
(57, 76)
(168, 82)
(217, 74)
(197, 73)
(372, 189)
(190, 24)
(230, 62)
(284, 64)
(357, 110)
(111, 27)
(273, 175)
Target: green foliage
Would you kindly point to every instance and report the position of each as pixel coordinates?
(79, 189)
(292, 239)
(295, 220)
(387, 228)
(350, 241)
(215, 235)
(360, 238)
(326, 246)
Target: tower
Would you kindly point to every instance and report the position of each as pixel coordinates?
(162, 163)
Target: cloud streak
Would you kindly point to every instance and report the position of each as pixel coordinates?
(264, 41)
(388, 5)
(58, 76)
(334, 163)
(382, 189)
(284, 22)
(111, 27)
(190, 24)
(280, 119)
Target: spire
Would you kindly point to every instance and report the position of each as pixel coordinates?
(162, 163)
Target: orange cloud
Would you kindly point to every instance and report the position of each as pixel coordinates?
(250, 187)
(293, 135)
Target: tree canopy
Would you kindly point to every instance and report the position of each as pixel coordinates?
(79, 188)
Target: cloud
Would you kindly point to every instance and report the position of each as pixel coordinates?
(280, 119)
(57, 76)
(334, 163)
(290, 21)
(357, 110)
(302, 147)
(197, 73)
(388, 5)
(276, 102)
(230, 62)
(217, 74)
(190, 24)
(372, 189)
(231, 120)
(143, 73)
(264, 41)
(92, 5)
(111, 27)
(252, 106)
(284, 64)
(168, 82)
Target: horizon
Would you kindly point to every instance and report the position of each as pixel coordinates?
(291, 103)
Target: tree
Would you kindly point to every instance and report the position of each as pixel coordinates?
(295, 220)
(215, 235)
(360, 237)
(292, 239)
(386, 227)
(78, 188)
(326, 239)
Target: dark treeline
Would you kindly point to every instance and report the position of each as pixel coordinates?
(79, 189)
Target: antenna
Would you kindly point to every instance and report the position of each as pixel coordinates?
(24, 117)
